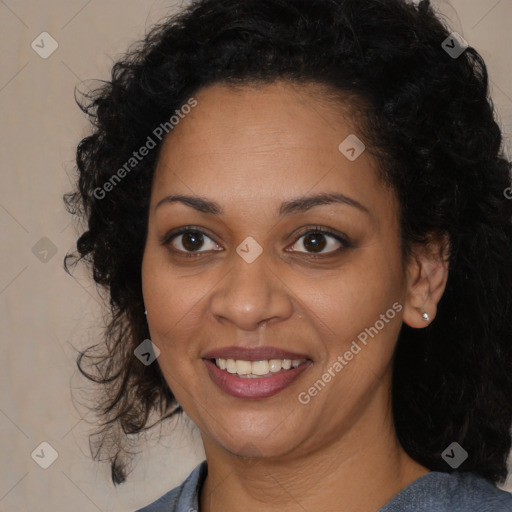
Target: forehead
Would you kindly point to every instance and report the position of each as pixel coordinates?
(264, 116)
(264, 142)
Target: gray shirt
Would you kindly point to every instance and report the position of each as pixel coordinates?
(433, 492)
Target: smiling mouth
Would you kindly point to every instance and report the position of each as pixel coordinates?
(257, 369)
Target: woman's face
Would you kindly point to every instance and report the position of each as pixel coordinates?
(254, 280)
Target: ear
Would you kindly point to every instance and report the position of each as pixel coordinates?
(427, 274)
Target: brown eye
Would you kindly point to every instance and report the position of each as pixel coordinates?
(191, 240)
(315, 241)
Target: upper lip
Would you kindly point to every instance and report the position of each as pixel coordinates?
(252, 354)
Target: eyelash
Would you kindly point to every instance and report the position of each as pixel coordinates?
(168, 238)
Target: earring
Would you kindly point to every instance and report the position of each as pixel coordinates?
(423, 314)
(145, 312)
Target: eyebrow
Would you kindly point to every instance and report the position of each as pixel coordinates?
(297, 205)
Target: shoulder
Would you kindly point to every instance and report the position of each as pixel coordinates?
(183, 498)
(450, 492)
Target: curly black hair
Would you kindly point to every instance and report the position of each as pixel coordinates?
(429, 121)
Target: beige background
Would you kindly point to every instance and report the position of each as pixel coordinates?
(46, 314)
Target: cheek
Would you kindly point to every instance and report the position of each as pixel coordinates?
(172, 305)
(358, 316)
(353, 298)
(172, 300)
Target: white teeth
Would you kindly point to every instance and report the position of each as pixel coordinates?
(231, 366)
(275, 365)
(243, 367)
(255, 369)
(259, 367)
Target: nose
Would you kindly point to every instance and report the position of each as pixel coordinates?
(252, 294)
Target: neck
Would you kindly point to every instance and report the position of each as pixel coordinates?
(357, 472)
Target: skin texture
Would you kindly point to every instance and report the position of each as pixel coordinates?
(249, 149)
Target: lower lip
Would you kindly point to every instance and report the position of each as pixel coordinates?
(262, 387)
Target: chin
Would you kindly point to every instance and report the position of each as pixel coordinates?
(273, 437)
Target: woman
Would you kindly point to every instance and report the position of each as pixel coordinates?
(299, 211)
